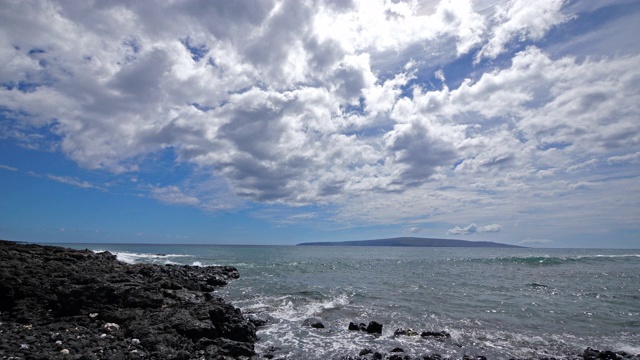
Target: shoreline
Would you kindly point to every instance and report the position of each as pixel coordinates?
(60, 303)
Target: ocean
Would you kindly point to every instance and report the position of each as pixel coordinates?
(496, 302)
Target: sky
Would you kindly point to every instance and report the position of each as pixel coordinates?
(280, 122)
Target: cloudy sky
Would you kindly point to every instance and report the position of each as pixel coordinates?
(278, 122)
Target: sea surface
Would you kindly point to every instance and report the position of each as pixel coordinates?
(500, 303)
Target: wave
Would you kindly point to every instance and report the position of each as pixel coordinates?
(296, 306)
(166, 259)
(557, 260)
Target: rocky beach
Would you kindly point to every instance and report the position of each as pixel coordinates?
(59, 303)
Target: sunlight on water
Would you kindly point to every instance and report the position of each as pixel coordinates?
(500, 303)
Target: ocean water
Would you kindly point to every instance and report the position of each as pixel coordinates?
(500, 303)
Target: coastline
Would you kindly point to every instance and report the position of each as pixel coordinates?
(119, 310)
(60, 303)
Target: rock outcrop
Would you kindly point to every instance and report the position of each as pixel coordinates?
(58, 303)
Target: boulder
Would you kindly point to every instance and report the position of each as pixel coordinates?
(315, 323)
(374, 328)
(435, 334)
(80, 304)
(405, 332)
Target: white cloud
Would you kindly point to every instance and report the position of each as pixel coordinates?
(173, 195)
(631, 158)
(522, 20)
(7, 167)
(73, 182)
(301, 103)
(475, 229)
(413, 230)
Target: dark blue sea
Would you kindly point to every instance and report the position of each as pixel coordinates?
(500, 303)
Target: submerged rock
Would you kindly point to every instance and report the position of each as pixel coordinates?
(435, 334)
(68, 303)
(405, 332)
(259, 319)
(315, 323)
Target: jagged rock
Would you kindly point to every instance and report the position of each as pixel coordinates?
(374, 328)
(436, 334)
(432, 357)
(259, 320)
(315, 323)
(593, 354)
(95, 307)
(364, 352)
(398, 357)
(405, 332)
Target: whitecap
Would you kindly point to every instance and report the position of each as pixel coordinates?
(132, 258)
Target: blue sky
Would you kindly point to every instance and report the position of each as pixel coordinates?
(279, 122)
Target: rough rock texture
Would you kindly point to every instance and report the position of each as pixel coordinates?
(58, 303)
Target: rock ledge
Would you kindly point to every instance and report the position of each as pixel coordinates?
(58, 303)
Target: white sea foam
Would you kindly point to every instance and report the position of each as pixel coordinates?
(619, 256)
(628, 348)
(132, 258)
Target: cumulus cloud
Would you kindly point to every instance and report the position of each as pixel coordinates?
(306, 103)
(413, 230)
(521, 20)
(475, 229)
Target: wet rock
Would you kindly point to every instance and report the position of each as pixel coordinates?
(592, 354)
(353, 326)
(315, 323)
(374, 328)
(64, 303)
(435, 334)
(432, 357)
(405, 332)
(259, 320)
(364, 352)
(398, 357)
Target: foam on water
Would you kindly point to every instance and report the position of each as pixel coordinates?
(501, 303)
(132, 258)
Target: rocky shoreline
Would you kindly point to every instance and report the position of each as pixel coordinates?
(58, 303)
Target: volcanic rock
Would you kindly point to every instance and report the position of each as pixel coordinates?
(61, 303)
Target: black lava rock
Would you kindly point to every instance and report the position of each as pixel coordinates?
(374, 328)
(314, 323)
(435, 334)
(405, 332)
(61, 303)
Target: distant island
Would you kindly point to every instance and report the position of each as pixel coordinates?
(413, 241)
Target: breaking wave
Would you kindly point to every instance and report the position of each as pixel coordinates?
(164, 259)
(557, 260)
